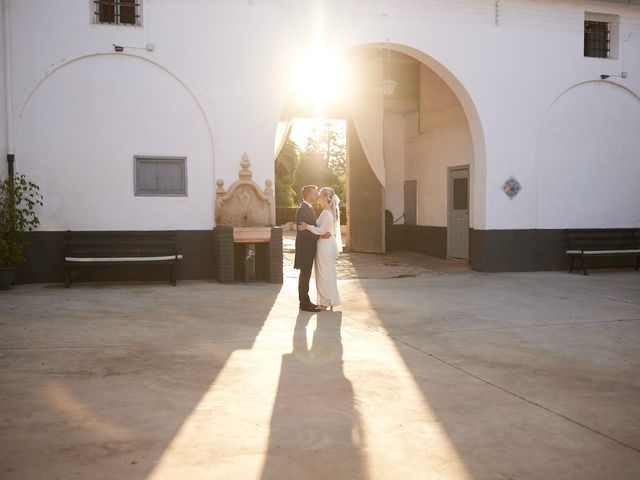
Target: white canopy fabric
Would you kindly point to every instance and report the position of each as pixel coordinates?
(366, 107)
(282, 132)
(366, 104)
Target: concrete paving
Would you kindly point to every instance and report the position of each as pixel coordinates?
(448, 374)
(399, 264)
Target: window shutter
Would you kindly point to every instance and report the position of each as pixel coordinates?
(128, 12)
(118, 12)
(106, 12)
(171, 177)
(160, 176)
(147, 177)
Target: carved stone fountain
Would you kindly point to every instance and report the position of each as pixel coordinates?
(248, 246)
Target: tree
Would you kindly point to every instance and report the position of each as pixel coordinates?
(323, 161)
(328, 141)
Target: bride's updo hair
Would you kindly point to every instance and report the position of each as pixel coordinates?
(327, 192)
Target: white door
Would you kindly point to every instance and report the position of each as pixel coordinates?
(458, 228)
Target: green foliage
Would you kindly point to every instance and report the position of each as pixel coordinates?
(313, 171)
(323, 162)
(285, 194)
(18, 201)
(286, 167)
(329, 142)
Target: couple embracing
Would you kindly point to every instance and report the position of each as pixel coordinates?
(318, 242)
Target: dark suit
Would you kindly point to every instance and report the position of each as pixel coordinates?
(306, 243)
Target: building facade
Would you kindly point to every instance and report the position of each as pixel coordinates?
(511, 120)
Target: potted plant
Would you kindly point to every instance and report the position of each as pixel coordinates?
(18, 201)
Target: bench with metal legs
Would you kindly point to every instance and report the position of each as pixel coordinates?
(610, 242)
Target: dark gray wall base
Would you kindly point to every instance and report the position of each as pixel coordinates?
(527, 250)
(210, 254)
(44, 252)
(45, 256)
(497, 250)
(428, 240)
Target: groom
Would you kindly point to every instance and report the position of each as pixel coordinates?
(306, 246)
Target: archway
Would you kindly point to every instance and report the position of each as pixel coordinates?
(382, 156)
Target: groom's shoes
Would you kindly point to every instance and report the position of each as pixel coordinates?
(309, 307)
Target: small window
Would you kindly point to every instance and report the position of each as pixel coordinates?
(117, 12)
(460, 193)
(596, 39)
(601, 35)
(160, 176)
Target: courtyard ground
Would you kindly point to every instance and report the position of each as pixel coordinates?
(428, 371)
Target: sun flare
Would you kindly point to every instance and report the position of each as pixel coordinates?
(319, 78)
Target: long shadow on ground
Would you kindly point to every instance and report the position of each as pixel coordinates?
(315, 428)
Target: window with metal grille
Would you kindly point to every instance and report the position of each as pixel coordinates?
(117, 12)
(596, 39)
(160, 176)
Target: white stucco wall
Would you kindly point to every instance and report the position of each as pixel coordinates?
(235, 58)
(546, 61)
(588, 161)
(87, 138)
(445, 142)
(3, 118)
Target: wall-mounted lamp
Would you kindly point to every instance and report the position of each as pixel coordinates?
(622, 75)
(149, 47)
(389, 85)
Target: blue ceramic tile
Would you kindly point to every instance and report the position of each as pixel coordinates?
(511, 187)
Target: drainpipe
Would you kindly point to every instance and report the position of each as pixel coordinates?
(7, 88)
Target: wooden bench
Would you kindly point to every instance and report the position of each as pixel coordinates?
(613, 242)
(90, 249)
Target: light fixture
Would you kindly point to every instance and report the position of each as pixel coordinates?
(622, 75)
(388, 85)
(149, 47)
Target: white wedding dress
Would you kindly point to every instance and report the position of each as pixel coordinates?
(325, 262)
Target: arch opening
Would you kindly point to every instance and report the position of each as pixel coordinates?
(401, 148)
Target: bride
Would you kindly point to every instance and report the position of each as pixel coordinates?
(328, 249)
